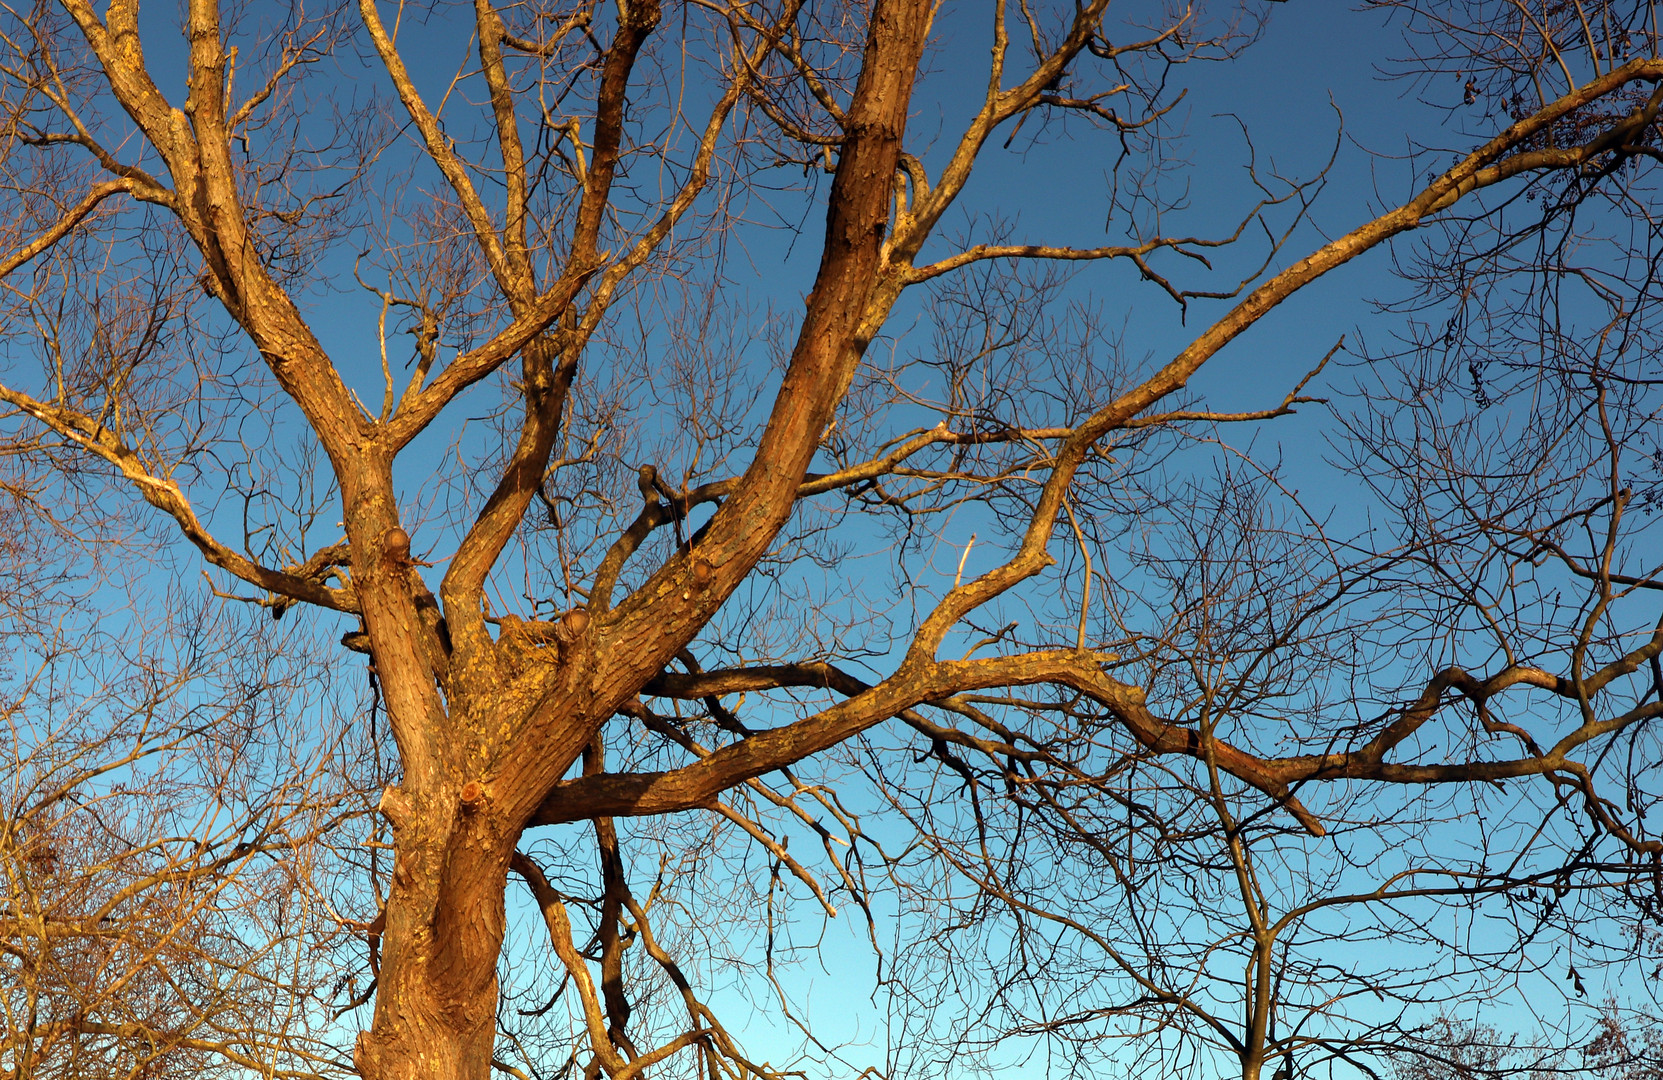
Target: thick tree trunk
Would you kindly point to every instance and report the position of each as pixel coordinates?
(444, 920)
(435, 1008)
(487, 726)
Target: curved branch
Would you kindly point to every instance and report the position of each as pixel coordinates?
(66, 222)
(165, 495)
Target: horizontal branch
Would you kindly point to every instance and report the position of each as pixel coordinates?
(983, 252)
(165, 495)
(697, 785)
(707, 684)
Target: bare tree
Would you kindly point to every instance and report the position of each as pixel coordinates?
(165, 819)
(1626, 1047)
(565, 608)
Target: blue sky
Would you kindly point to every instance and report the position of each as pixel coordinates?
(1312, 80)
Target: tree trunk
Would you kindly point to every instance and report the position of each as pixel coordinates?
(435, 1006)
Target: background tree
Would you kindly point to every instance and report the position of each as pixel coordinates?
(639, 580)
(165, 822)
